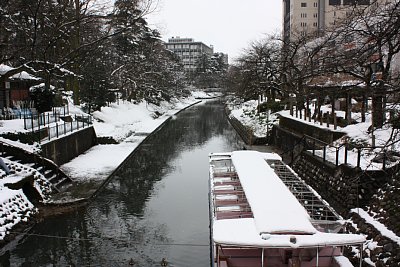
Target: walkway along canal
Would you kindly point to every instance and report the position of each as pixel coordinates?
(155, 206)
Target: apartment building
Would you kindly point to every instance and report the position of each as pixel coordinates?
(189, 51)
(312, 17)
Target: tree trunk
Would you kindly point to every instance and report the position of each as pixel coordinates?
(348, 108)
(377, 108)
(75, 46)
(363, 107)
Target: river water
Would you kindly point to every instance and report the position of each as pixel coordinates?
(154, 207)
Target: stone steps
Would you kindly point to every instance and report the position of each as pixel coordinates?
(51, 171)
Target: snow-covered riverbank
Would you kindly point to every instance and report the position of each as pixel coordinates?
(127, 123)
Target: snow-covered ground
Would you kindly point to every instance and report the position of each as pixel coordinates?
(357, 133)
(247, 114)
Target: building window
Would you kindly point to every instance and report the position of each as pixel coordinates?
(303, 4)
(349, 2)
(334, 2)
(303, 15)
(315, 24)
(315, 15)
(315, 4)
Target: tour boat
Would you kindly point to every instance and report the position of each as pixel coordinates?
(263, 214)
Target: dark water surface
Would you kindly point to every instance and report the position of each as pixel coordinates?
(154, 207)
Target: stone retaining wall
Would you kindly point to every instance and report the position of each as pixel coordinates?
(338, 185)
(344, 187)
(380, 250)
(71, 145)
(246, 133)
(301, 128)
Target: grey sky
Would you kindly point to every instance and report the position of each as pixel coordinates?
(228, 25)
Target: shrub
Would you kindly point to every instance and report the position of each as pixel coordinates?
(273, 106)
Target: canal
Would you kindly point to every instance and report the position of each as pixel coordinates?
(154, 207)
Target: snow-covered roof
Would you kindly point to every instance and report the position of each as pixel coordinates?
(275, 208)
(40, 87)
(23, 75)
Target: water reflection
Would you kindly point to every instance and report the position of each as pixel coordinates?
(155, 207)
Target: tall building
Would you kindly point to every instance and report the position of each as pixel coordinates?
(312, 17)
(189, 51)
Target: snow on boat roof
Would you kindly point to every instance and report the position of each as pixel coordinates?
(226, 232)
(275, 208)
(227, 155)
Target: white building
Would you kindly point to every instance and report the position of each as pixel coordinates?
(189, 51)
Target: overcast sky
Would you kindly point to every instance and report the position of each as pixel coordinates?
(228, 25)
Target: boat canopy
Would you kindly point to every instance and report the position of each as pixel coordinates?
(275, 208)
(279, 219)
(243, 233)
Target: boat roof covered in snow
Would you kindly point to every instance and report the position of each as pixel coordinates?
(279, 219)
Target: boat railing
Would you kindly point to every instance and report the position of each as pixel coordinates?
(318, 209)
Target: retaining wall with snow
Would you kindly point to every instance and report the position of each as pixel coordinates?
(71, 145)
(343, 186)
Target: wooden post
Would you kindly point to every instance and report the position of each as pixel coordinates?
(384, 160)
(320, 117)
(334, 121)
(39, 131)
(327, 119)
(337, 156)
(313, 149)
(291, 106)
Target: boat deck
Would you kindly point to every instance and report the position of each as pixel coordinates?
(229, 199)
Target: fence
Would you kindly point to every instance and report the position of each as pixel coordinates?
(32, 121)
(14, 113)
(64, 128)
(349, 153)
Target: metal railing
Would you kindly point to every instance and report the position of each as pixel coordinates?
(341, 153)
(32, 121)
(63, 128)
(16, 113)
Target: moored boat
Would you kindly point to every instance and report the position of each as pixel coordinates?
(263, 214)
